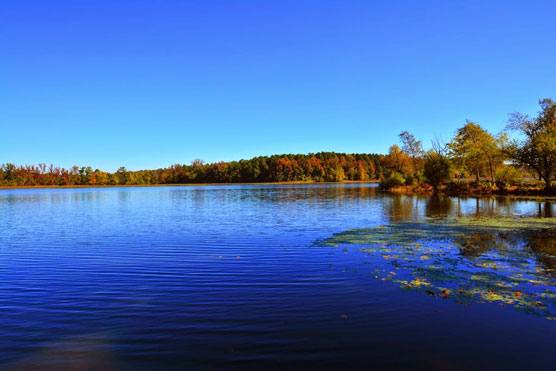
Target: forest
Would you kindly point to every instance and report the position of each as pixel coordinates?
(521, 156)
(318, 167)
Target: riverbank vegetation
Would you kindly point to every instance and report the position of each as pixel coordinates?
(519, 160)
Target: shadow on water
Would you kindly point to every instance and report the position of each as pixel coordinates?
(473, 254)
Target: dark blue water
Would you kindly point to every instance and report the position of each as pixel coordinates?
(229, 277)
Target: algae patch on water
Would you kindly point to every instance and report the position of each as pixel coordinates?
(510, 261)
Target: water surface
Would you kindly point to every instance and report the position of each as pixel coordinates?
(237, 276)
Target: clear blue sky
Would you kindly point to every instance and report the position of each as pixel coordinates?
(146, 84)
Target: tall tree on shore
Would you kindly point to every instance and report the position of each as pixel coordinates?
(477, 150)
(414, 149)
(536, 148)
(397, 160)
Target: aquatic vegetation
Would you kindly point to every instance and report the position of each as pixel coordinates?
(509, 261)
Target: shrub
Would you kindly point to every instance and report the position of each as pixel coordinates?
(508, 175)
(394, 180)
(437, 169)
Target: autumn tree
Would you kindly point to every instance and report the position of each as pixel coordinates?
(319, 167)
(414, 149)
(397, 160)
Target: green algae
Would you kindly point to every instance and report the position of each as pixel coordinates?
(509, 261)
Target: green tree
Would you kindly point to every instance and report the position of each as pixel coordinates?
(9, 170)
(85, 174)
(436, 169)
(122, 176)
(536, 149)
(477, 150)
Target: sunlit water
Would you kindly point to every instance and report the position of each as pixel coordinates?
(235, 277)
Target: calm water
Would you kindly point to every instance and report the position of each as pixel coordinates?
(233, 277)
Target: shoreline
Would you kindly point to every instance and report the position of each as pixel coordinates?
(402, 190)
(475, 192)
(3, 187)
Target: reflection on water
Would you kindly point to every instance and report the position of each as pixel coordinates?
(439, 207)
(546, 210)
(404, 207)
(225, 277)
(544, 244)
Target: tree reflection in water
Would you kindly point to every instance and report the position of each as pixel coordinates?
(545, 210)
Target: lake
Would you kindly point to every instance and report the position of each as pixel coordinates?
(274, 276)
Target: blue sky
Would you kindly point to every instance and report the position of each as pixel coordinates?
(145, 84)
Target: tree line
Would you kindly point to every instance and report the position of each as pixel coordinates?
(318, 167)
(525, 149)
